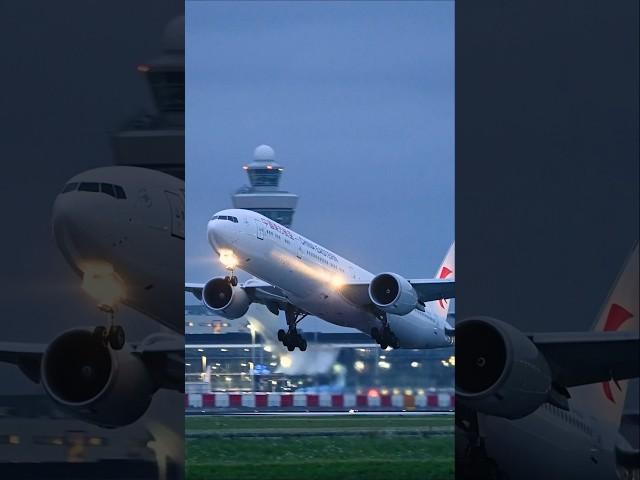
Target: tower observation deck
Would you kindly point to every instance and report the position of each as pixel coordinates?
(263, 195)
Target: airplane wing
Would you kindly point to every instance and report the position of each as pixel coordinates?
(428, 290)
(589, 357)
(163, 357)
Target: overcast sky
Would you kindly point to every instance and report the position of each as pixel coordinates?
(357, 99)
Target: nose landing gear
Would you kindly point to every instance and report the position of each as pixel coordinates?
(113, 335)
(231, 278)
(291, 338)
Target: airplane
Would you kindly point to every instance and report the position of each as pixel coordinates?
(548, 405)
(296, 275)
(121, 229)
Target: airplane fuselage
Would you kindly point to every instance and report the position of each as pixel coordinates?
(311, 276)
(571, 444)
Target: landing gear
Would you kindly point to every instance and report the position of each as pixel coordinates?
(384, 336)
(113, 335)
(291, 338)
(231, 279)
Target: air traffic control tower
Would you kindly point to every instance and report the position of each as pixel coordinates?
(263, 195)
(155, 139)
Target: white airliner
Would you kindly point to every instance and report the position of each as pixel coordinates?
(302, 278)
(548, 405)
(122, 230)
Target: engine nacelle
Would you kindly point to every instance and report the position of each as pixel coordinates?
(393, 294)
(499, 370)
(106, 387)
(221, 297)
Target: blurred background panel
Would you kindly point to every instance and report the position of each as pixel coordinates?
(94, 90)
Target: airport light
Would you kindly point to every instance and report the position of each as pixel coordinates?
(359, 366)
(415, 364)
(224, 350)
(452, 360)
(267, 348)
(204, 362)
(383, 364)
(274, 364)
(286, 361)
(201, 350)
(227, 379)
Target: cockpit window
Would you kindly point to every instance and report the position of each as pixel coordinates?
(108, 189)
(119, 191)
(225, 217)
(88, 187)
(70, 187)
(115, 191)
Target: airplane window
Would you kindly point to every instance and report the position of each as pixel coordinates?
(234, 219)
(69, 187)
(119, 191)
(215, 217)
(107, 188)
(88, 187)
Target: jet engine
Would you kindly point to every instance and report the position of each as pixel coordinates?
(393, 294)
(226, 300)
(499, 370)
(106, 387)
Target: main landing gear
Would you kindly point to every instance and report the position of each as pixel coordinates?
(291, 338)
(113, 335)
(384, 336)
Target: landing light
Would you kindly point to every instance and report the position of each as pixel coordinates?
(228, 258)
(103, 284)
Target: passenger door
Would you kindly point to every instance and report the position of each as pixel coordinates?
(176, 204)
(259, 230)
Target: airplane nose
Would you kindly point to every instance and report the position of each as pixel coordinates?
(221, 234)
(75, 227)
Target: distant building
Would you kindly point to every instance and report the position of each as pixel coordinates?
(263, 195)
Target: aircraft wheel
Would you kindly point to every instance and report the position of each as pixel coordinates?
(227, 279)
(281, 335)
(100, 334)
(383, 345)
(116, 337)
(291, 348)
(234, 281)
(303, 345)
